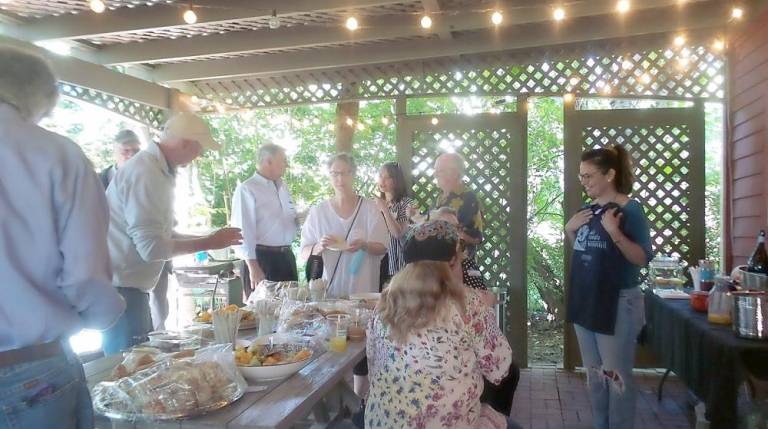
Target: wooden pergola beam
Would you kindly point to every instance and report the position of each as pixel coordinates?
(164, 16)
(385, 27)
(516, 37)
(88, 75)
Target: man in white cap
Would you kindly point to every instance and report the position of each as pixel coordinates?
(141, 236)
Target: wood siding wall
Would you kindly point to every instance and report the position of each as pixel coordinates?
(747, 152)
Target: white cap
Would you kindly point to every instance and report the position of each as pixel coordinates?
(189, 126)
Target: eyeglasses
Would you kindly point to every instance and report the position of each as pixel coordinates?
(336, 174)
(586, 177)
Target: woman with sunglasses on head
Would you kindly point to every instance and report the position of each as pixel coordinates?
(611, 243)
(396, 207)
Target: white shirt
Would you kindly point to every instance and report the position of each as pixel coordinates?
(264, 211)
(54, 264)
(369, 226)
(141, 219)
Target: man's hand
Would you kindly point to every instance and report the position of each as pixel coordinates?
(255, 272)
(224, 237)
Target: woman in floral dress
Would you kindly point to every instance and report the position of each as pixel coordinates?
(431, 342)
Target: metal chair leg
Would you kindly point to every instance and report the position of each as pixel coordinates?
(661, 383)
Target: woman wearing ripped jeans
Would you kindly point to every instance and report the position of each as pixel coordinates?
(611, 242)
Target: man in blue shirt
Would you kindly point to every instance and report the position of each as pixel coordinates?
(54, 262)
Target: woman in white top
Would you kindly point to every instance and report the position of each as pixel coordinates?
(340, 227)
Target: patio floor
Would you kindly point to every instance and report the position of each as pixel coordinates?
(549, 398)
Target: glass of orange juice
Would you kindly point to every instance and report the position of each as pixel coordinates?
(339, 324)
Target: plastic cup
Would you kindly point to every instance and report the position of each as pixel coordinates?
(338, 324)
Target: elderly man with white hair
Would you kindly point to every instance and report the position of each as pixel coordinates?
(141, 235)
(54, 262)
(449, 174)
(263, 208)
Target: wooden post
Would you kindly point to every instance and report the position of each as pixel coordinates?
(346, 120)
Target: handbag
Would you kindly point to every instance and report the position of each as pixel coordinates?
(314, 267)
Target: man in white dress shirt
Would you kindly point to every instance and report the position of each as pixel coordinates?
(141, 236)
(263, 209)
(54, 263)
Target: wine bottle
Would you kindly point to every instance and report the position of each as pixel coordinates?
(758, 262)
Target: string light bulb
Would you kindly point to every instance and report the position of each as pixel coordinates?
(435, 121)
(426, 21)
(190, 17)
(352, 23)
(679, 40)
(385, 120)
(497, 18)
(623, 6)
(645, 78)
(718, 45)
(607, 90)
(569, 98)
(97, 6)
(737, 13)
(274, 21)
(558, 14)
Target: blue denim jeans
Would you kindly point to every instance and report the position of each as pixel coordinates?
(133, 325)
(608, 360)
(48, 393)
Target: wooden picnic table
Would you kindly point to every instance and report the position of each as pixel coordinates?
(269, 405)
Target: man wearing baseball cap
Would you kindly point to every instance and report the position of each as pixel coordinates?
(141, 236)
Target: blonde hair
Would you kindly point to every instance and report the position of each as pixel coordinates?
(417, 297)
(27, 83)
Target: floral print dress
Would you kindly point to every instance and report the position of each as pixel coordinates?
(435, 380)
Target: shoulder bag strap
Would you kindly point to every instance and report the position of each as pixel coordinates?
(346, 237)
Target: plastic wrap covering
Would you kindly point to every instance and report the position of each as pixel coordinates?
(301, 319)
(173, 388)
(269, 290)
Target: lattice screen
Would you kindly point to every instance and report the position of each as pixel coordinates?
(147, 115)
(487, 153)
(661, 156)
(692, 72)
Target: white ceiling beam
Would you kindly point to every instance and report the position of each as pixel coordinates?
(88, 75)
(385, 27)
(575, 30)
(162, 16)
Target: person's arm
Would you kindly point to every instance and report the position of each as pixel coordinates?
(471, 219)
(310, 236)
(376, 235)
(82, 221)
(396, 227)
(243, 217)
(491, 346)
(635, 243)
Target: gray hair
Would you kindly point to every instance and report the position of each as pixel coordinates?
(27, 83)
(268, 150)
(345, 157)
(126, 137)
(458, 160)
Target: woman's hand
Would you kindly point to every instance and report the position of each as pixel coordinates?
(381, 203)
(356, 245)
(578, 220)
(326, 241)
(611, 220)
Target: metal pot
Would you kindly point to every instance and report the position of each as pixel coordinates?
(750, 314)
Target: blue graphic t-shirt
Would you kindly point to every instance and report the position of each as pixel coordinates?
(599, 270)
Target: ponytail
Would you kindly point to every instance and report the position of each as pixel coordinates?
(617, 158)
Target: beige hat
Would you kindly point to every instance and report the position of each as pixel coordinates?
(189, 126)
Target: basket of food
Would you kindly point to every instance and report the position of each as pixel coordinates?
(173, 388)
(272, 357)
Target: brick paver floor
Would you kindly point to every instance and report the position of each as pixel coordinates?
(549, 398)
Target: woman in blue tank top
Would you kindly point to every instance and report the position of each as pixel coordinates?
(611, 243)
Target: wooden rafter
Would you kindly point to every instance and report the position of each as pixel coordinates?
(516, 37)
